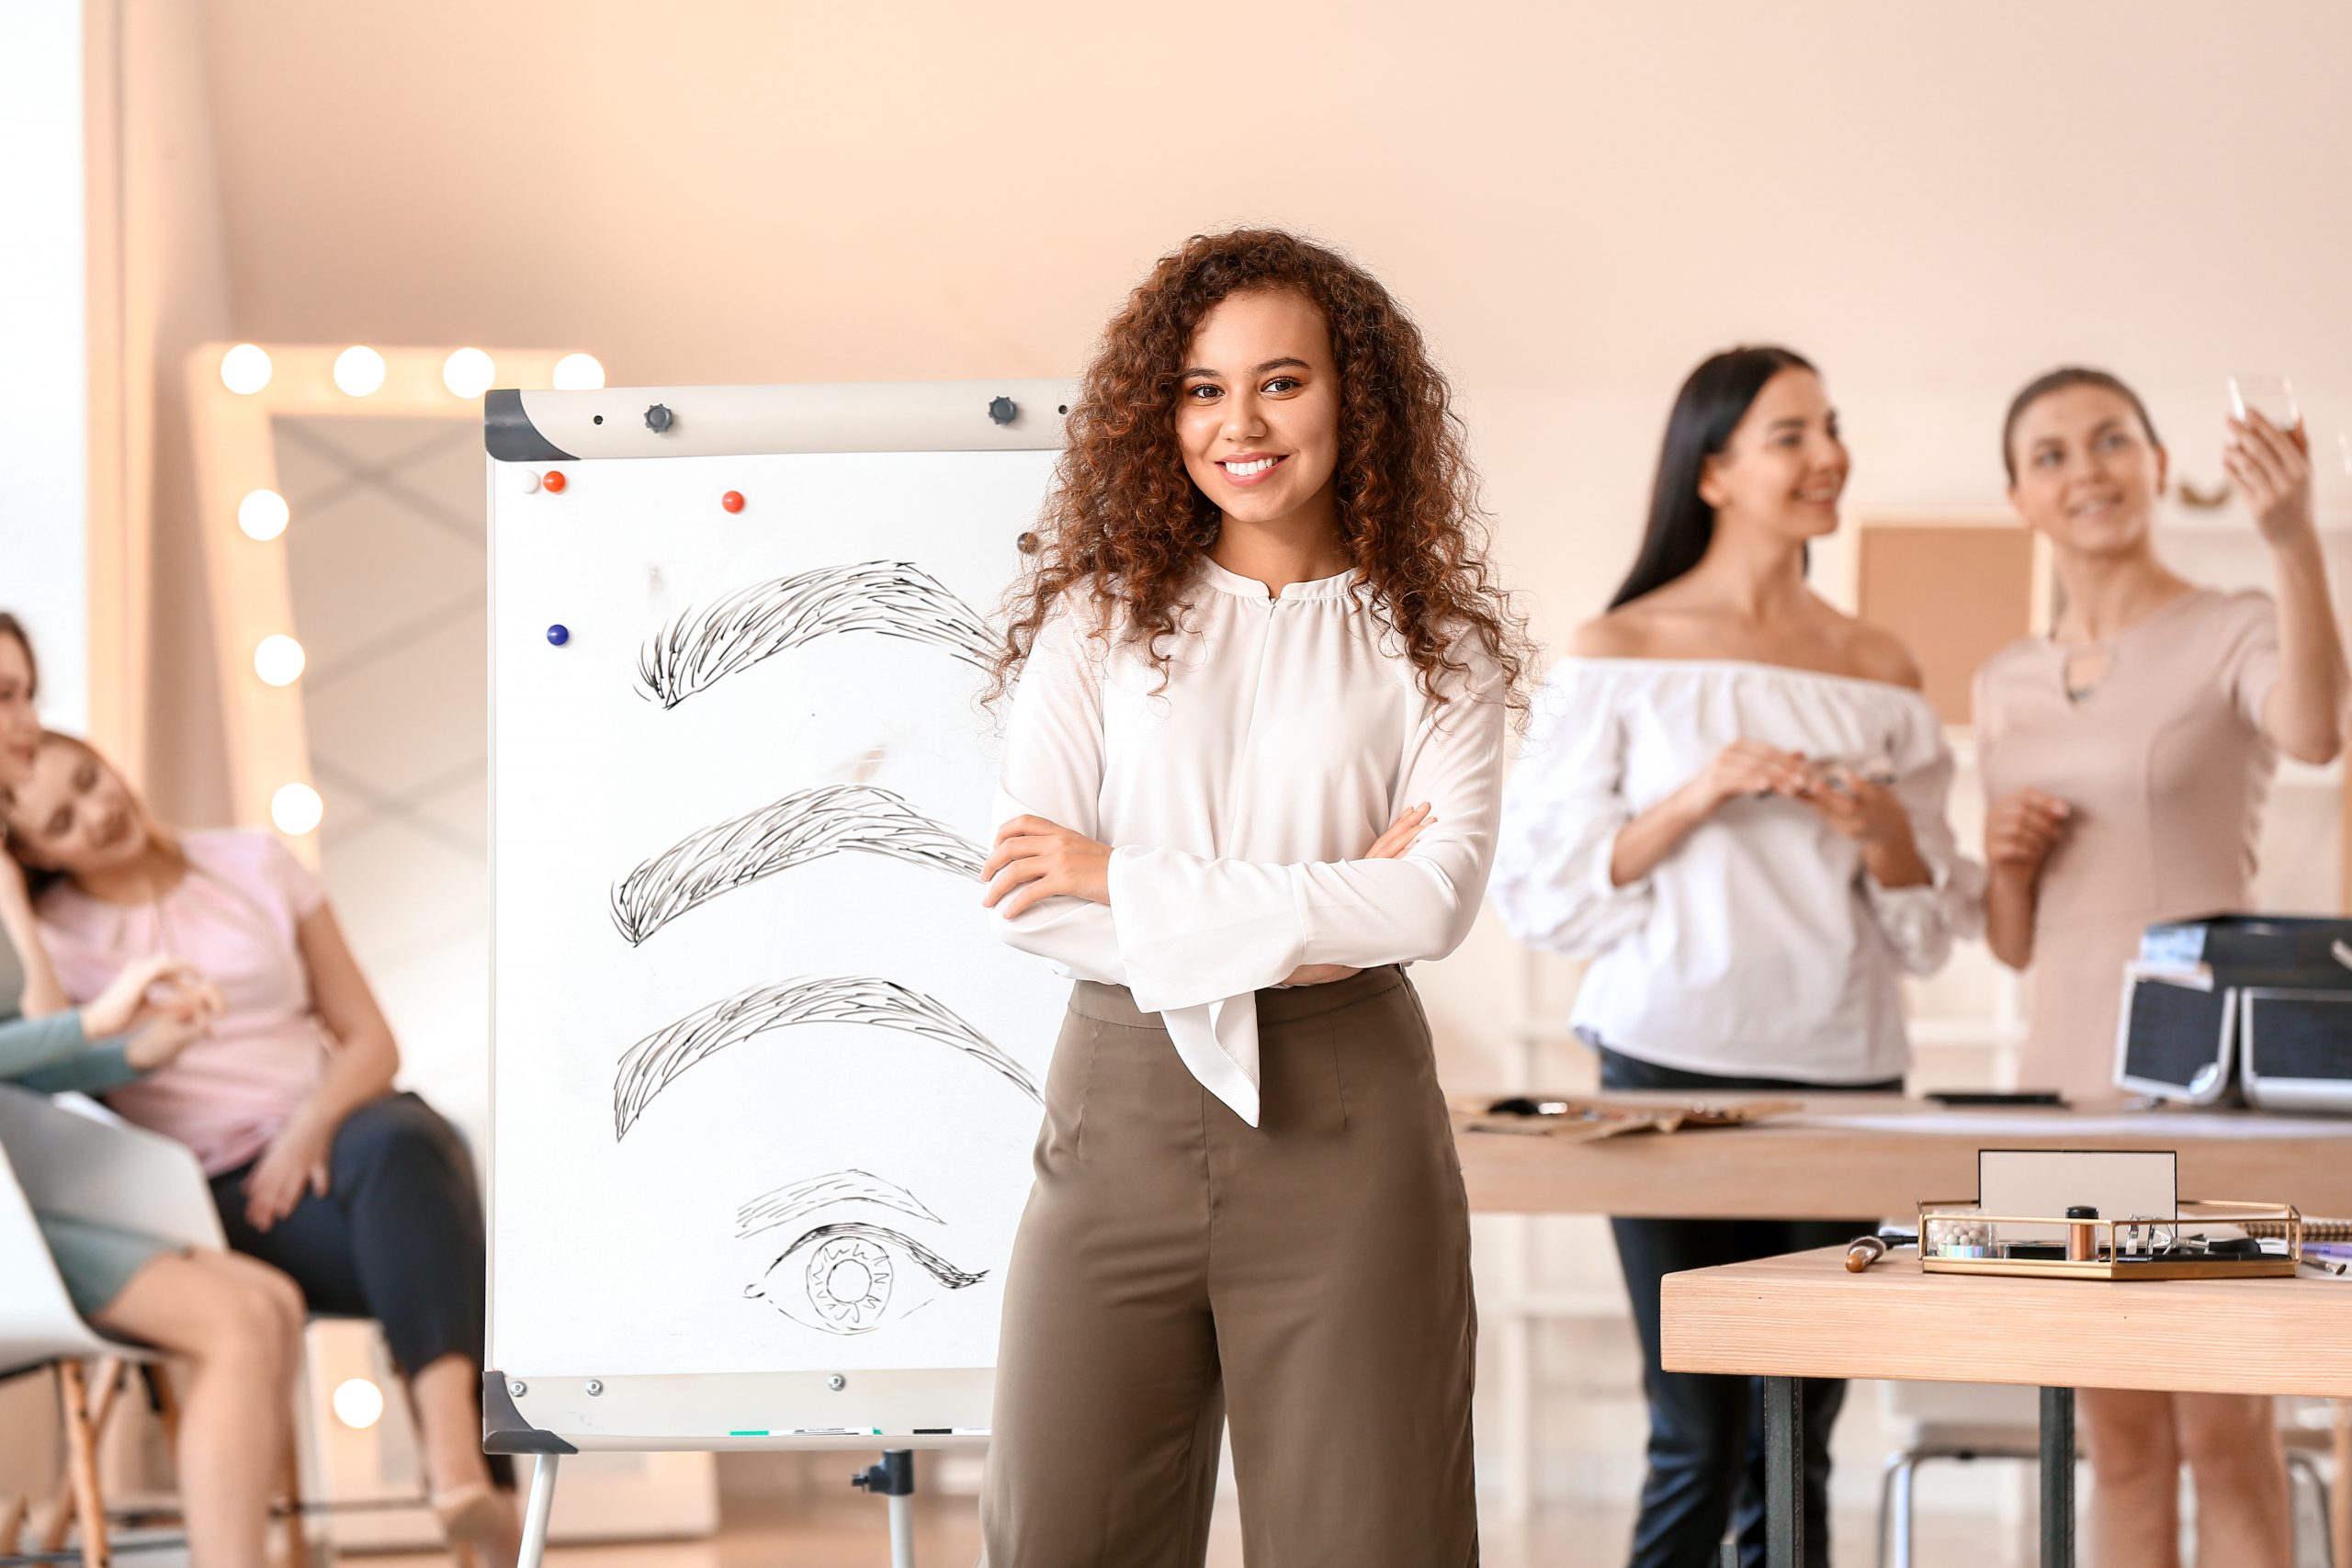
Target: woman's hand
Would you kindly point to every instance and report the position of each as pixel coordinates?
(1745, 768)
(2020, 830)
(159, 986)
(295, 1163)
(158, 1042)
(1393, 840)
(1035, 859)
(2272, 468)
(1873, 816)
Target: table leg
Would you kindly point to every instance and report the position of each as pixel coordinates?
(1783, 1473)
(2057, 1478)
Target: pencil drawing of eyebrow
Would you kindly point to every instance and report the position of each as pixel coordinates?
(890, 598)
(803, 825)
(786, 1204)
(654, 1063)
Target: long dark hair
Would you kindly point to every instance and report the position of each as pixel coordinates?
(1706, 410)
(12, 628)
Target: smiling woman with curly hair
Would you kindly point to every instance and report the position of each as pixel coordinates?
(1127, 523)
(1251, 769)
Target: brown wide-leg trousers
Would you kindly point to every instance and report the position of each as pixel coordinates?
(1308, 1279)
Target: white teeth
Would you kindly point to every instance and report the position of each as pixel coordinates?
(1243, 470)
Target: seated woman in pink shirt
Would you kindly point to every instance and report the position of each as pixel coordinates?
(363, 1195)
(233, 1324)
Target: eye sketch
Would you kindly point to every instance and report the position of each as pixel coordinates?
(890, 598)
(847, 1283)
(786, 1204)
(803, 825)
(653, 1063)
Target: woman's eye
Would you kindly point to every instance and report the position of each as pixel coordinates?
(2046, 458)
(1283, 384)
(1201, 393)
(851, 1277)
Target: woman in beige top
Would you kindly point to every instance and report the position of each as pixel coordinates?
(2127, 757)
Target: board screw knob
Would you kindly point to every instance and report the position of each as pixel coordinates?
(837, 1383)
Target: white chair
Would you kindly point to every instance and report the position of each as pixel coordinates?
(68, 1157)
(1966, 1422)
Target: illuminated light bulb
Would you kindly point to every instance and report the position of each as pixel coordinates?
(263, 514)
(245, 369)
(358, 1404)
(359, 370)
(296, 808)
(468, 372)
(279, 659)
(577, 373)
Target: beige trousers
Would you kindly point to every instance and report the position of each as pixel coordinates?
(1306, 1281)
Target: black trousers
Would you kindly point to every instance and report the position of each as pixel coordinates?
(398, 1237)
(1706, 1447)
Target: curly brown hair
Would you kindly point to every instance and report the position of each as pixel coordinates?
(1126, 526)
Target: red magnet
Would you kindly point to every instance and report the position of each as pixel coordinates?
(733, 500)
(555, 481)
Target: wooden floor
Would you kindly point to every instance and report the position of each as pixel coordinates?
(852, 1533)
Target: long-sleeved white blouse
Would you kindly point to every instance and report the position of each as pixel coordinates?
(1759, 946)
(1238, 797)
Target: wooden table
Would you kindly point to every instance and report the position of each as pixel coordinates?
(1803, 1315)
(1849, 1156)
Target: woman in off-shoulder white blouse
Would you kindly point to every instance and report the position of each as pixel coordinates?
(1251, 769)
(1732, 801)
(1761, 947)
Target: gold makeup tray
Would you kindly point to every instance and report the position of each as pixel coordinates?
(2110, 1260)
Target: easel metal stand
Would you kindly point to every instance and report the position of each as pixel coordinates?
(535, 1512)
(893, 1477)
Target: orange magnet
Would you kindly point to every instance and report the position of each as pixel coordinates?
(555, 481)
(733, 500)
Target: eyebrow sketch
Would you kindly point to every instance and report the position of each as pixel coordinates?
(803, 825)
(654, 1063)
(892, 598)
(786, 1204)
(848, 1280)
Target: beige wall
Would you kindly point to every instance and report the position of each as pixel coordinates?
(1933, 200)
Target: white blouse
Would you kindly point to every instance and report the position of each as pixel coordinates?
(1758, 947)
(1237, 797)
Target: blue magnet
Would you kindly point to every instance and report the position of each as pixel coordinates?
(558, 634)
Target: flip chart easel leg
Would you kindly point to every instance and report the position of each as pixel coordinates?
(894, 1478)
(535, 1512)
